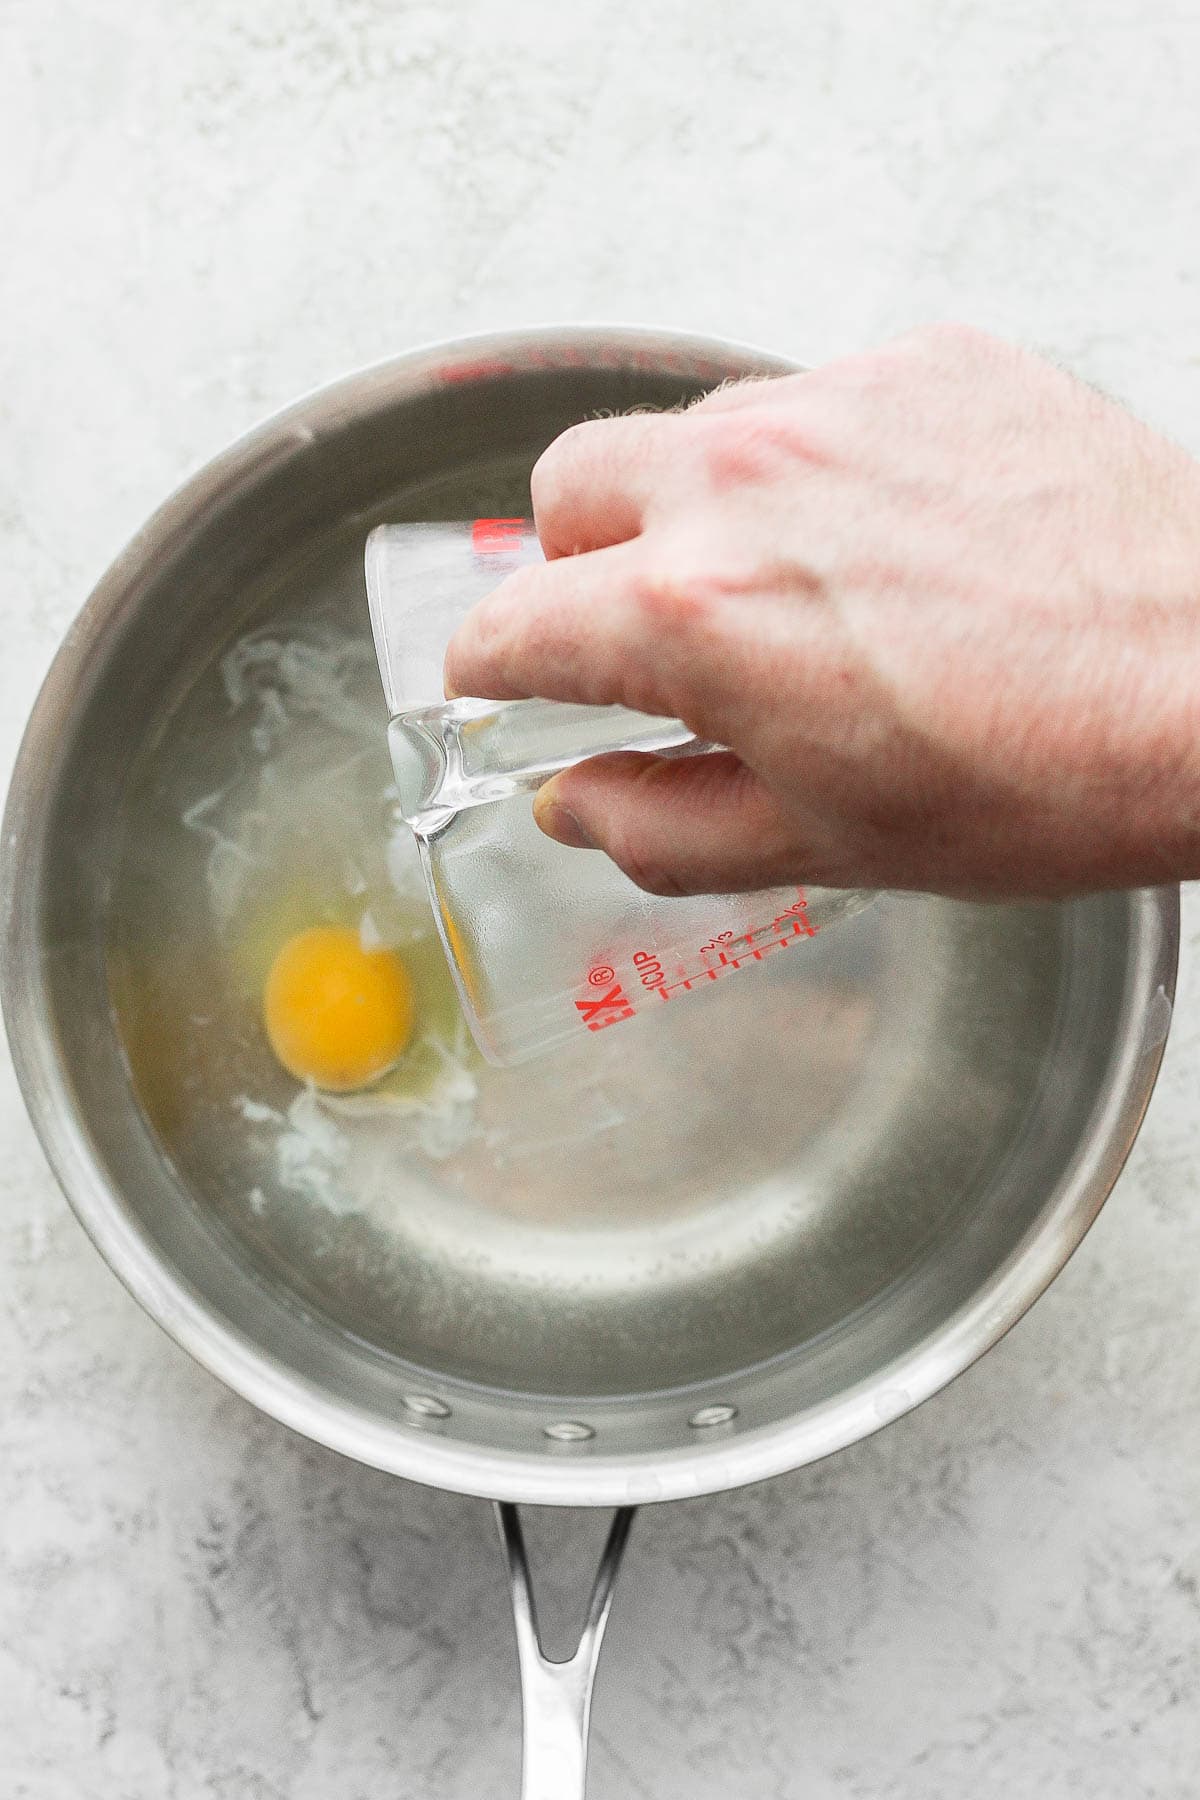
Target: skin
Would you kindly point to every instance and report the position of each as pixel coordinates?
(941, 601)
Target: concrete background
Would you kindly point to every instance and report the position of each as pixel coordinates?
(207, 207)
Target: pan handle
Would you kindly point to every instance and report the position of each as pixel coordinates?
(556, 1697)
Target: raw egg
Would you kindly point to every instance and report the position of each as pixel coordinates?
(337, 1015)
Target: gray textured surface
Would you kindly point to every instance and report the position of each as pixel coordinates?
(207, 208)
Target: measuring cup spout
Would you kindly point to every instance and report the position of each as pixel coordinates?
(547, 946)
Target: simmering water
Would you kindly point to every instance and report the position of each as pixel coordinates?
(648, 1206)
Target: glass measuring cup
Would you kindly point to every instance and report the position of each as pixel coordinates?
(544, 942)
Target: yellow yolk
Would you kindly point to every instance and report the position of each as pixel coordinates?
(337, 1015)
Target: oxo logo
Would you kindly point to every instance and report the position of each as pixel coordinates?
(604, 1009)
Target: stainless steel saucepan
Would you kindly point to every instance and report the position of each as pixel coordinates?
(694, 1252)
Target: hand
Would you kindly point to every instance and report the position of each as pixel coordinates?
(941, 602)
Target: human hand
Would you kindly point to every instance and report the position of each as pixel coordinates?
(941, 601)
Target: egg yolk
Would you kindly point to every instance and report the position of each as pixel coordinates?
(337, 1015)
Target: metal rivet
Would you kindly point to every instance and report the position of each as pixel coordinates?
(424, 1406)
(569, 1431)
(719, 1413)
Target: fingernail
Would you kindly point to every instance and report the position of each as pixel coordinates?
(554, 819)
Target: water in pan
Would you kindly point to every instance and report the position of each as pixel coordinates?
(676, 1197)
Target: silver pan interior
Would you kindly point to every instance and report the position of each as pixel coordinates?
(714, 1243)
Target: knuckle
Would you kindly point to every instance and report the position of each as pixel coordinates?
(669, 598)
(750, 446)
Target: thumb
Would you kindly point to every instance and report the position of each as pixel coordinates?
(699, 824)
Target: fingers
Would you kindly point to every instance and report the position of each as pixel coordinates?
(690, 825)
(558, 630)
(598, 482)
(551, 629)
(593, 485)
(601, 628)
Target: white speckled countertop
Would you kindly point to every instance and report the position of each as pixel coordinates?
(207, 208)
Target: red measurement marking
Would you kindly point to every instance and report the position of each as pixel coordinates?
(792, 923)
(607, 1010)
(800, 928)
(496, 537)
(722, 939)
(650, 970)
